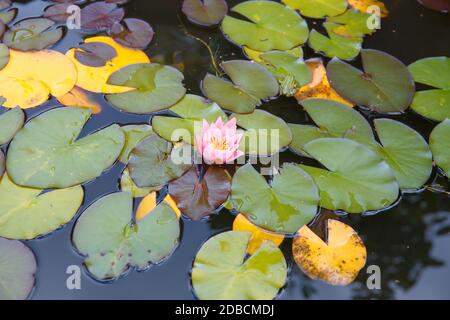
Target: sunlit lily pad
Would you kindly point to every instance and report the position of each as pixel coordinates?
(155, 162)
(319, 87)
(127, 185)
(269, 26)
(47, 154)
(27, 213)
(17, 270)
(440, 145)
(283, 206)
(205, 12)
(385, 85)
(222, 270)
(435, 72)
(32, 34)
(336, 261)
(318, 8)
(259, 235)
(133, 135)
(364, 5)
(250, 84)
(265, 134)
(356, 180)
(10, 123)
(111, 244)
(197, 196)
(95, 79)
(352, 23)
(149, 203)
(335, 45)
(156, 87)
(191, 110)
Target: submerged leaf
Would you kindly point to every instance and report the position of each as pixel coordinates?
(17, 270)
(47, 154)
(205, 12)
(80, 98)
(133, 135)
(222, 272)
(133, 33)
(337, 261)
(10, 123)
(440, 145)
(127, 185)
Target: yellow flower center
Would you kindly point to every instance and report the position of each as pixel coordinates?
(219, 144)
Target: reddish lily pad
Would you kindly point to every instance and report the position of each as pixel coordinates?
(205, 12)
(95, 54)
(101, 16)
(133, 33)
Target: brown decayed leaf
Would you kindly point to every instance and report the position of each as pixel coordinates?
(78, 97)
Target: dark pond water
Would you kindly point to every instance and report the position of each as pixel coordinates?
(410, 243)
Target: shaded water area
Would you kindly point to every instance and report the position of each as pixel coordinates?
(410, 242)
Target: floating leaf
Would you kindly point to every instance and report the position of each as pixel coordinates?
(101, 15)
(46, 153)
(385, 85)
(17, 270)
(364, 5)
(256, 55)
(434, 72)
(133, 135)
(4, 55)
(259, 235)
(133, 33)
(356, 180)
(250, 83)
(318, 8)
(283, 206)
(199, 196)
(337, 261)
(192, 110)
(265, 134)
(80, 98)
(32, 34)
(95, 54)
(149, 203)
(334, 45)
(31, 86)
(58, 12)
(440, 145)
(352, 24)
(157, 87)
(155, 162)
(269, 26)
(205, 12)
(2, 163)
(27, 213)
(111, 244)
(319, 87)
(439, 5)
(95, 79)
(127, 185)
(222, 272)
(10, 123)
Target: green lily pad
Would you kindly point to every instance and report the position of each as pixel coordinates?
(265, 134)
(192, 110)
(17, 270)
(155, 162)
(351, 23)
(440, 146)
(4, 55)
(269, 26)
(46, 153)
(133, 135)
(385, 85)
(221, 270)
(302, 134)
(10, 123)
(318, 8)
(250, 83)
(127, 185)
(157, 87)
(435, 72)
(8, 15)
(32, 34)
(334, 45)
(284, 206)
(290, 70)
(205, 12)
(2, 163)
(356, 180)
(111, 244)
(27, 213)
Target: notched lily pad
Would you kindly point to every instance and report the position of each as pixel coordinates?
(46, 153)
(156, 87)
(112, 244)
(250, 84)
(221, 270)
(127, 185)
(440, 146)
(205, 12)
(133, 33)
(10, 123)
(95, 54)
(283, 206)
(17, 270)
(133, 135)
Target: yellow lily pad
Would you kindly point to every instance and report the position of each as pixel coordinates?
(78, 97)
(363, 6)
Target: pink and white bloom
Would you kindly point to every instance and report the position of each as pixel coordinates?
(219, 142)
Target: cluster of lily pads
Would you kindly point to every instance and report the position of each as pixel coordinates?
(361, 171)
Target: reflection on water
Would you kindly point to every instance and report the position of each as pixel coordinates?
(410, 243)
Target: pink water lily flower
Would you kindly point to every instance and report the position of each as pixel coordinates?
(219, 142)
